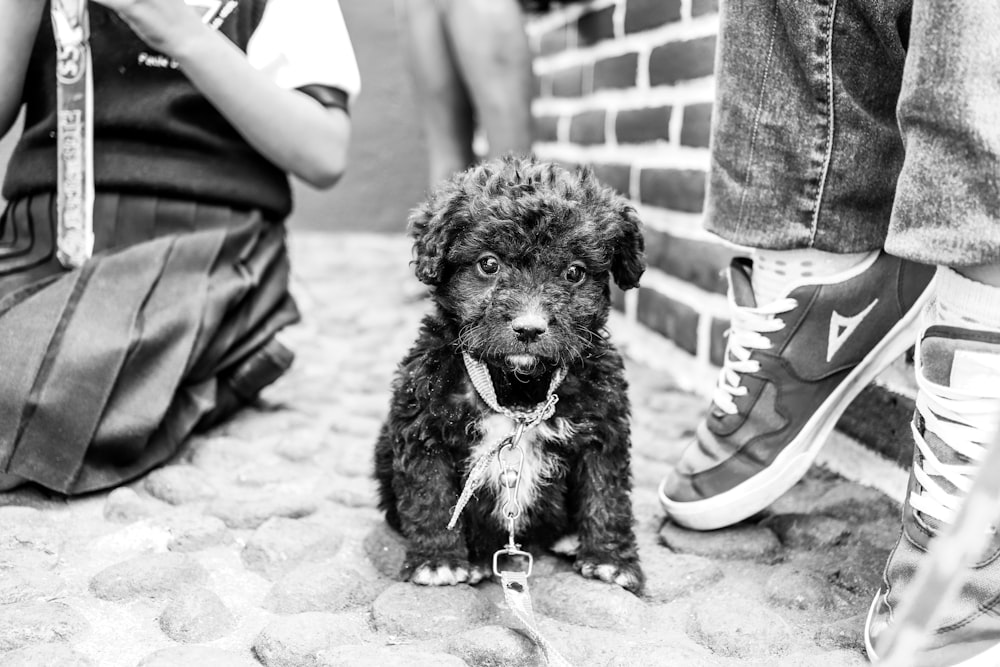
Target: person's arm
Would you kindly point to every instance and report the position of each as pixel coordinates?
(288, 127)
(19, 21)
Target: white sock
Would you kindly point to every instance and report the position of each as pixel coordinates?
(963, 302)
(775, 272)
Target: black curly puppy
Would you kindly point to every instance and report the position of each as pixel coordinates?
(518, 254)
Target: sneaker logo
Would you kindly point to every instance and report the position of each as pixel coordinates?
(842, 327)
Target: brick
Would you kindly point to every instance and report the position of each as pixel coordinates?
(701, 263)
(880, 419)
(675, 189)
(568, 82)
(636, 126)
(546, 128)
(587, 127)
(701, 7)
(615, 176)
(678, 61)
(553, 41)
(717, 341)
(595, 27)
(675, 320)
(617, 72)
(697, 125)
(647, 14)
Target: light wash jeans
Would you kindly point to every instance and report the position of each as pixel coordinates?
(855, 125)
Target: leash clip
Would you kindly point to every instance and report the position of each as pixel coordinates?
(514, 554)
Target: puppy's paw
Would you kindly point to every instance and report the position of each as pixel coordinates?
(446, 572)
(626, 573)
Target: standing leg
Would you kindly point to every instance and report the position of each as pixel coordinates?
(805, 154)
(492, 52)
(947, 212)
(442, 100)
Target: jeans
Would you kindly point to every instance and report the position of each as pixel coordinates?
(855, 125)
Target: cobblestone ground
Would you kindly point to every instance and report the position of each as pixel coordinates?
(261, 543)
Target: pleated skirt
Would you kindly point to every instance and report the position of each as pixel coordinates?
(105, 370)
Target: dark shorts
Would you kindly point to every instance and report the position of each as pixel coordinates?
(108, 368)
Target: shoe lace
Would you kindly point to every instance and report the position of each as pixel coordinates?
(746, 334)
(964, 423)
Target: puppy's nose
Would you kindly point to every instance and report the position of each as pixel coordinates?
(529, 327)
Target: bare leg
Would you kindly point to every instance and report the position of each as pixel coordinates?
(442, 100)
(492, 52)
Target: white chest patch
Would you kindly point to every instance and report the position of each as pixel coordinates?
(536, 470)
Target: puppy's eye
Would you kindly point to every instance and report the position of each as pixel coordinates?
(488, 265)
(575, 273)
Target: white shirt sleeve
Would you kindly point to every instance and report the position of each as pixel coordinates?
(305, 42)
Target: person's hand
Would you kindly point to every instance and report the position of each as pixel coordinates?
(165, 25)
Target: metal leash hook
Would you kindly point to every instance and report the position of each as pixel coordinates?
(510, 478)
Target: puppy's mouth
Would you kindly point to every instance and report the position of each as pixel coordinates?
(522, 362)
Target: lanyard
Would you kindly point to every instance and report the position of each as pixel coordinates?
(74, 133)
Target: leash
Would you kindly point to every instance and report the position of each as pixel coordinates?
(509, 453)
(74, 133)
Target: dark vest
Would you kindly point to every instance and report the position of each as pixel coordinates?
(154, 134)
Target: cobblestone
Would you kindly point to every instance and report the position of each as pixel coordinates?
(179, 484)
(586, 602)
(300, 640)
(125, 506)
(194, 532)
(495, 646)
(386, 550)
(281, 543)
(742, 541)
(733, 626)
(196, 615)
(321, 587)
(28, 583)
(809, 531)
(27, 623)
(242, 513)
(846, 633)
(671, 576)
(147, 576)
(28, 537)
(409, 611)
(261, 543)
(792, 588)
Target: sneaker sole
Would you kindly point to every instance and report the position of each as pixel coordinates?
(793, 462)
(988, 658)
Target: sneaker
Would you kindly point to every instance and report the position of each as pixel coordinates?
(791, 369)
(957, 371)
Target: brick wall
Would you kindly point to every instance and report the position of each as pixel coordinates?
(626, 86)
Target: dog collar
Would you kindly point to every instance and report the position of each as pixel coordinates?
(479, 373)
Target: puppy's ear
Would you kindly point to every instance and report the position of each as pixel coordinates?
(628, 262)
(433, 226)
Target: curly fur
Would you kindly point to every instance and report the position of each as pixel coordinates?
(524, 314)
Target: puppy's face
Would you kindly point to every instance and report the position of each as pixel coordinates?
(520, 254)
